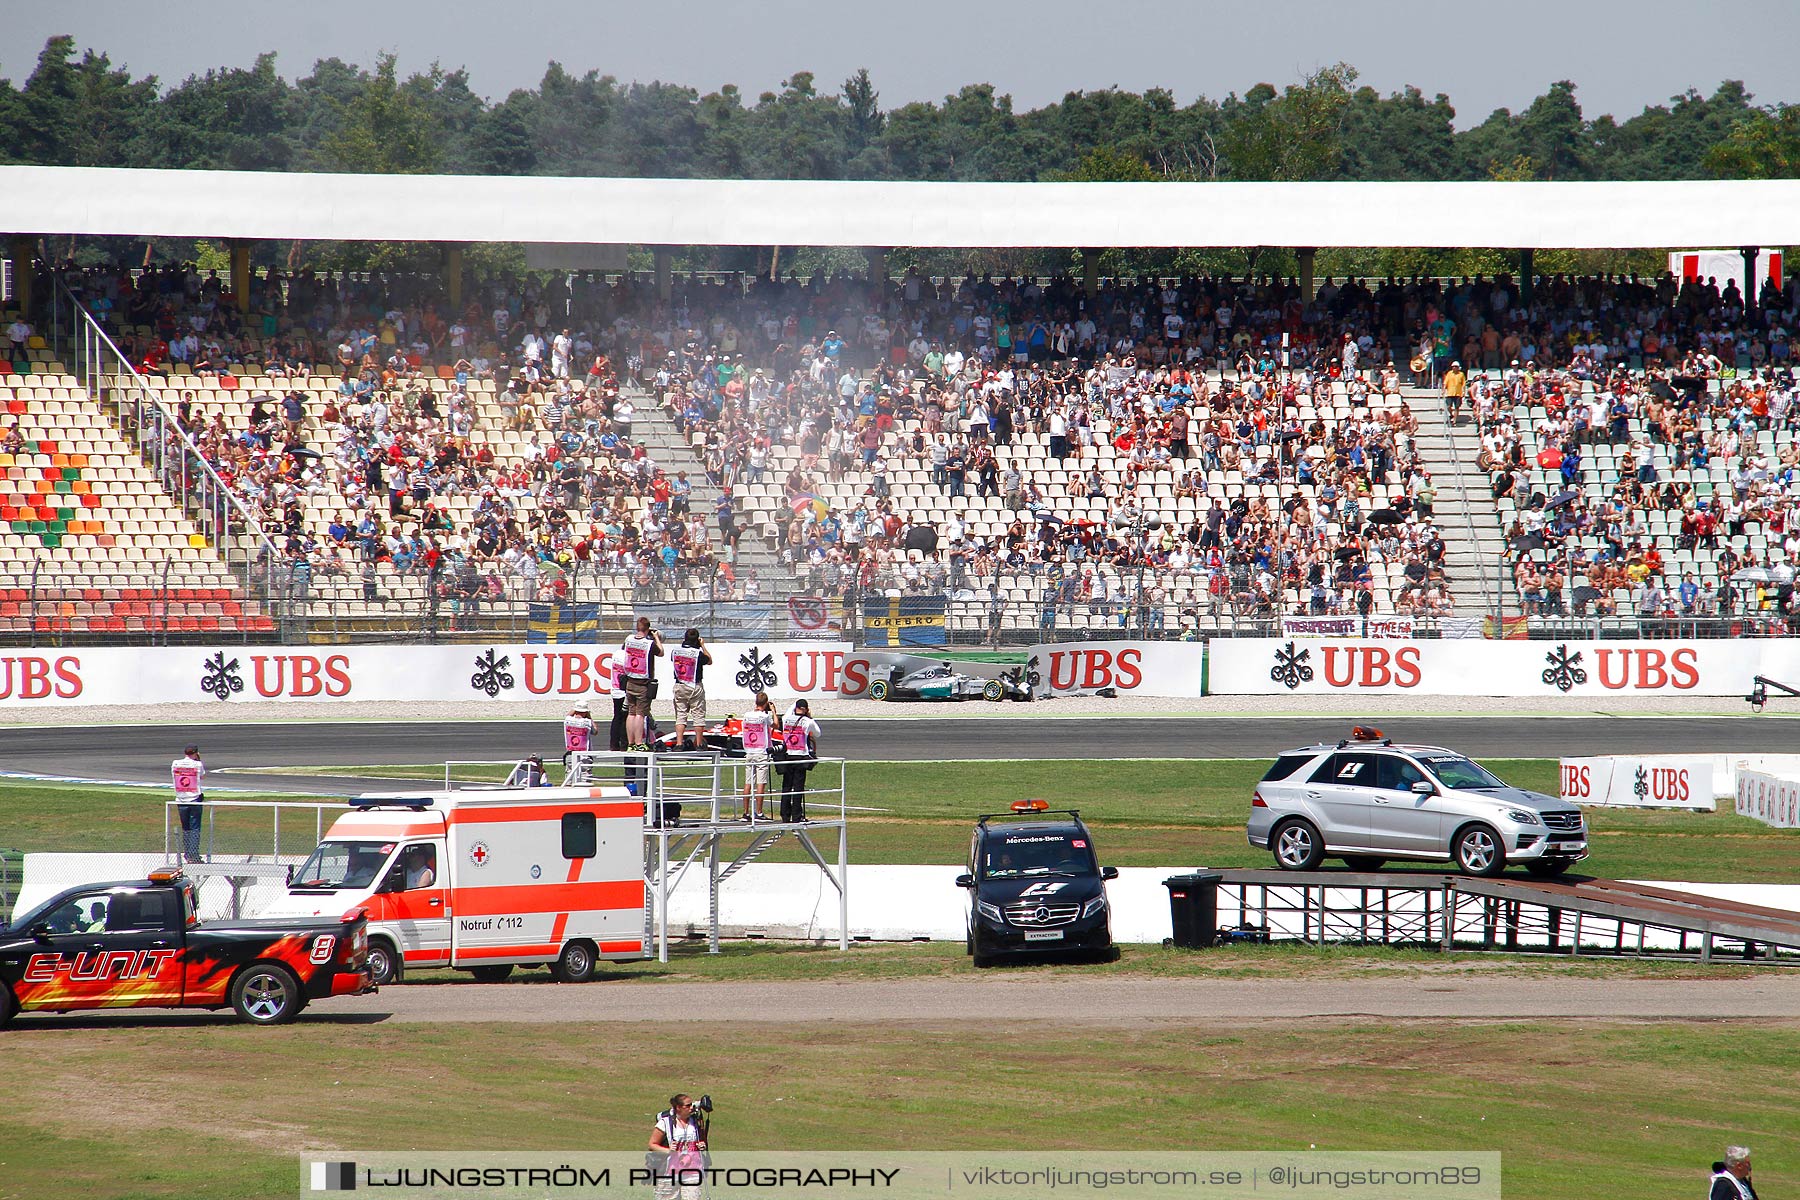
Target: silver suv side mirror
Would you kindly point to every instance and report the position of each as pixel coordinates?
(1424, 788)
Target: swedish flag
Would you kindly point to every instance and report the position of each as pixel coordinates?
(563, 623)
(893, 621)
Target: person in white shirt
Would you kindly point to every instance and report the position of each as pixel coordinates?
(679, 1143)
(578, 730)
(188, 774)
(801, 742)
(759, 729)
(689, 662)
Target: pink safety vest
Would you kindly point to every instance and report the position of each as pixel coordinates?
(756, 731)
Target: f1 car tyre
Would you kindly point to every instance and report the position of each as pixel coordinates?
(1546, 868)
(878, 690)
(575, 964)
(384, 962)
(266, 994)
(1364, 862)
(491, 974)
(992, 691)
(1479, 851)
(1298, 845)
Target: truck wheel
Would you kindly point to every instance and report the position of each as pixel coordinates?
(1479, 851)
(878, 690)
(575, 964)
(493, 974)
(266, 994)
(384, 962)
(9, 1007)
(1298, 845)
(992, 691)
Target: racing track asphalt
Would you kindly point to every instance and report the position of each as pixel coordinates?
(142, 752)
(1016, 997)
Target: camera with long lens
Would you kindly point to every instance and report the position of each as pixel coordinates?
(704, 1104)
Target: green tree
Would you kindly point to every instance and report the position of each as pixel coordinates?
(1399, 137)
(383, 130)
(1763, 145)
(229, 120)
(500, 142)
(1105, 164)
(86, 113)
(1294, 135)
(862, 111)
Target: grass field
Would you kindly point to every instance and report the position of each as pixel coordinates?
(1615, 1110)
(1145, 813)
(1622, 1109)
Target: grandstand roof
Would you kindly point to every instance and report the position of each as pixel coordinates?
(678, 212)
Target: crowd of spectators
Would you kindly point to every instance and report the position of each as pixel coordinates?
(1168, 384)
(1691, 457)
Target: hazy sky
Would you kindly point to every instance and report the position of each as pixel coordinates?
(1622, 55)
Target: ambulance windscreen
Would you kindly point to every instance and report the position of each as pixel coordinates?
(338, 865)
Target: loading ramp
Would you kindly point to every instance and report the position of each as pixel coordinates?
(1585, 917)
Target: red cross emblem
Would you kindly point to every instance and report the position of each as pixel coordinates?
(478, 854)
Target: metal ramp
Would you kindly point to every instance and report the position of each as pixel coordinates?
(1589, 917)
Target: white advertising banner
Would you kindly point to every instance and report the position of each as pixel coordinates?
(1462, 667)
(1130, 668)
(501, 673)
(1639, 782)
(1769, 799)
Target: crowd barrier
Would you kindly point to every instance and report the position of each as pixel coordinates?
(1464, 667)
(1771, 799)
(1164, 669)
(499, 673)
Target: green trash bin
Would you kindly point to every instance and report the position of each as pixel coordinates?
(1194, 909)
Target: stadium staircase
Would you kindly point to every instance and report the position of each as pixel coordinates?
(1474, 552)
(665, 443)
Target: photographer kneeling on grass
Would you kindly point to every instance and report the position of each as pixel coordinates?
(677, 1145)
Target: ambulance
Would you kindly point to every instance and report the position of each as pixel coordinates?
(484, 880)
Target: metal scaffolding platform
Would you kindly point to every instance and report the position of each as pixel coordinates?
(699, 819)
(1601, 917)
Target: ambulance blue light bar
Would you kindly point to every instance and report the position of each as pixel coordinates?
(413, 802)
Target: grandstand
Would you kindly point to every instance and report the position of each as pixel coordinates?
(1201, 456)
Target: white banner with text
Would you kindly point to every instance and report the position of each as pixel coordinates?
(501, 673)
(1460, 667)
(1620, 781)
(1174, 669)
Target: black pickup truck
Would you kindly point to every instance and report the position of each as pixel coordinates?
(140, 944)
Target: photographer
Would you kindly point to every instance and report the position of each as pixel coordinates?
(642, 649)
(677, 1144)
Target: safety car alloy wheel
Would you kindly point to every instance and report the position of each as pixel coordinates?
(1298, 846)
(1478, 851)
